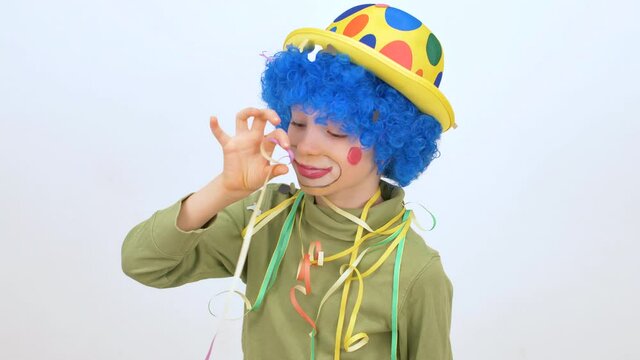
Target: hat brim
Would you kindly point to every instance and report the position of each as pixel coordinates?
(426, 96)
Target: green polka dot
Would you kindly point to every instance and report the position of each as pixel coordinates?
(434, 50)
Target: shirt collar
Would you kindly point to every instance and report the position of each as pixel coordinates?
(334, 225)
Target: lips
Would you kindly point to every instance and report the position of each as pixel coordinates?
(311, 172)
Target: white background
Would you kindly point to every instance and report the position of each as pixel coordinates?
(104, 109)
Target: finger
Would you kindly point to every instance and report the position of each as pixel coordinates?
(276, 170)
(282, 137)
(217, 131)
(280, 170)
(260, 121)
(242, 119)
(269, 146)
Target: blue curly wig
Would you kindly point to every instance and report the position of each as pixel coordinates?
(403, 138)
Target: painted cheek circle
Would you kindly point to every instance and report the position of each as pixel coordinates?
(354, 156)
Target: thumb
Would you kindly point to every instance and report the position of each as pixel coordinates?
(279, 170)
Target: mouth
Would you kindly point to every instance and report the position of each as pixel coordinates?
(310, 171)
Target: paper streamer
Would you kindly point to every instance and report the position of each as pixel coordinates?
(316, 256)
(244, 250)
(415, 219)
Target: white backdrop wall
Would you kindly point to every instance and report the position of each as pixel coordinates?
(104, 109)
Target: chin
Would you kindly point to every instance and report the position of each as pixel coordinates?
(316, 191)
(313, 190)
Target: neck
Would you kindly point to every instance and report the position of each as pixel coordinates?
(353, 198)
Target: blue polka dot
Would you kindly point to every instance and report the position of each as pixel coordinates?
(333, 29)
(400, 20)
(438, 79)
(369, 40)
(351, 11)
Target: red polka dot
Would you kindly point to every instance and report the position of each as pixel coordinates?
(356, 25)
(354, 156)
(419, 72)
(399, 52)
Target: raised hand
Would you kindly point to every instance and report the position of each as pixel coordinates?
(245, 169)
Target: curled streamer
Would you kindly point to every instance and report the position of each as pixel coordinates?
(245, 246)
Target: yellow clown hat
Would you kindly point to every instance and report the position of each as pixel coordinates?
(392, 44)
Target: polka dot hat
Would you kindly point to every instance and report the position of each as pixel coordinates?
(392, 44)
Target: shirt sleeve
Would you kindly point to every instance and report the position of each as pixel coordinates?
(159, 254)
(424, 319)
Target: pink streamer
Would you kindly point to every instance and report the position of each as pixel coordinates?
(289, 151)
(269, 58)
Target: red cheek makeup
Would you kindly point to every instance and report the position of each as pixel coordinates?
(354, 156)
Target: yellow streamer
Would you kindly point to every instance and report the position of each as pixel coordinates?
(387, 252)
(347, 283)
(353, 218)
(343, 277)
(353, 343)
(380, 231)
(268, 215)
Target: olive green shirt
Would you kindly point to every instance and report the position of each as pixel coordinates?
(159, 254)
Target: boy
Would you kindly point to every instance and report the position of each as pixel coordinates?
(366, 107)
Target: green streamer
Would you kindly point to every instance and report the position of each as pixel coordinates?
(394, 297)
(285, 234)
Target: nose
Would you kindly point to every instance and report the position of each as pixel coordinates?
(308, 141)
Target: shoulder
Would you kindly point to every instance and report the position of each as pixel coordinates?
(417, 254)
(424, 272)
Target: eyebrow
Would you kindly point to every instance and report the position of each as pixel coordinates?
(299, 118)
(298, 114)
(302, 116)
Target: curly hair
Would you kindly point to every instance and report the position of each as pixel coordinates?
(404, 139)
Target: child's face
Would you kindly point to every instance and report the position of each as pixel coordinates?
(328, 162)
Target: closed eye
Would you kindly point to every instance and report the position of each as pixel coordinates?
(302, 125)
(336, 135)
